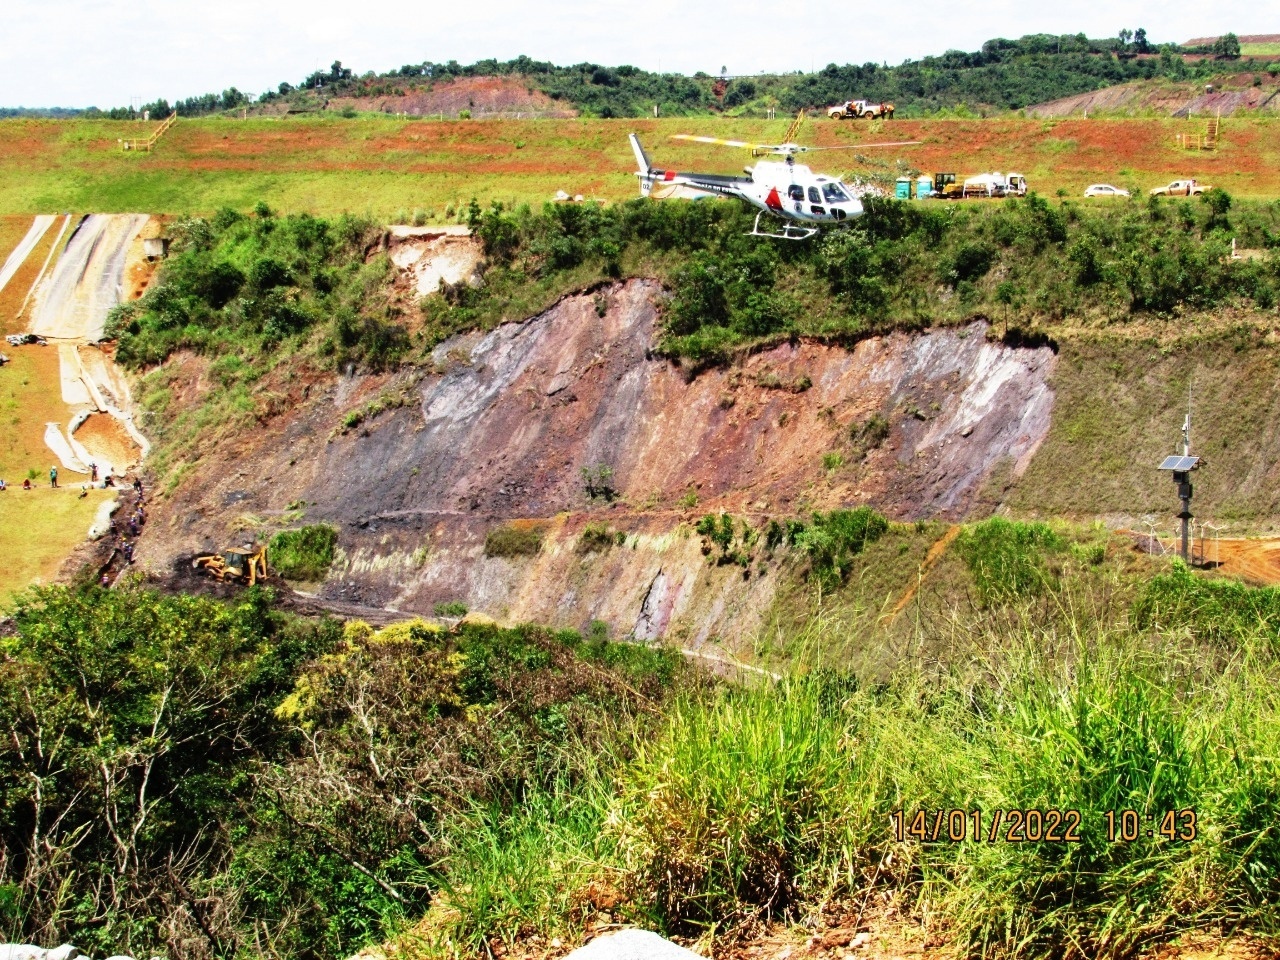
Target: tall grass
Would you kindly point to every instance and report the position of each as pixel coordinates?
(305, 553)
(760, 803)
(732, 806)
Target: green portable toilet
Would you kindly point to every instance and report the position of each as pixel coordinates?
(924, 188)
(902, 188)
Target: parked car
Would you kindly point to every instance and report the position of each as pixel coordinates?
(1180, 188)
(1104, 190)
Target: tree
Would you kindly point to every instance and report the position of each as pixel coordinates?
(1140, 41)
(1125, 35)
(1227, 47)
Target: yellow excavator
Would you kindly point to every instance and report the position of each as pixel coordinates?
(242, 564)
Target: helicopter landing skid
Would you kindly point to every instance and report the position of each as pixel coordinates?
(789, 231)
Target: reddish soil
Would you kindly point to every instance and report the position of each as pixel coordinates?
(1257, 561)
(483, 96)
(1229, 95)
(1250, 38)
(102, 435)
(858, 931)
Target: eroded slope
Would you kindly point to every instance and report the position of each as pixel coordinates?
(502, 427)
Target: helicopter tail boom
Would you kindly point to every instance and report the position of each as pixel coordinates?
(642, 161)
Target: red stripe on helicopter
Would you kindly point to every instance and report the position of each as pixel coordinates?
(669, 175)
(773, 201)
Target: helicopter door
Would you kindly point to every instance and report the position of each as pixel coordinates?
(796, 193)
(815, 199)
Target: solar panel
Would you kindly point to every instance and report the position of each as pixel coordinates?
(1179, 464)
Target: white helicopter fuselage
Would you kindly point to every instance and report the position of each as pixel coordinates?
(794, 191)
(785, 189)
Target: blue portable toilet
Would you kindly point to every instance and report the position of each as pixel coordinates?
(902, 188)
(924, 187)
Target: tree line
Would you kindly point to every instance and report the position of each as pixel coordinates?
(1003, 74)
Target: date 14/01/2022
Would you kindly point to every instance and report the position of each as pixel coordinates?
(1033, 825)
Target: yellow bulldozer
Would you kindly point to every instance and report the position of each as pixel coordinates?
(242, 564)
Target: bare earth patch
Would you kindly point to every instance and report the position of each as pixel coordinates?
(483, 96)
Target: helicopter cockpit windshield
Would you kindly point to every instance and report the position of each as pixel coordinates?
(832, 193)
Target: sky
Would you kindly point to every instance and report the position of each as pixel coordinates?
(79, 53)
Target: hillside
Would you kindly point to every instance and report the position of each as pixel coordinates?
(749, 460)
(800, 601)
(1221, 94)
(1003, 75)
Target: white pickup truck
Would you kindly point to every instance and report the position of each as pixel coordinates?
(1180, 188)
(857, 109)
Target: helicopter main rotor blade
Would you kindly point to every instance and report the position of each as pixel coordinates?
(716, 140)
(863, 146)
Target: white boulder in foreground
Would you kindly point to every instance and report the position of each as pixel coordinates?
(27, 951)
(632, 945)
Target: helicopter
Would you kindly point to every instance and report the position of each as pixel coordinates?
(790, 191)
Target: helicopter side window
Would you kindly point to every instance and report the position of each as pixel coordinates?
(833, 193)
(814, 196)
(795, 192)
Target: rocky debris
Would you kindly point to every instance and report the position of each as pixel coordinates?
(632, 945)
(431, 259)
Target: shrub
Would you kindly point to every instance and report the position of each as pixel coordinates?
(451, 608)
(1006, 557)
(717, 529)
(1216, 609)
(598, 537)
(303, 554)
(597, 482)
(832, 540)
(869, 434)
(511, 540)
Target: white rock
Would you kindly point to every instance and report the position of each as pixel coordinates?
(632, 945)
(28, 951)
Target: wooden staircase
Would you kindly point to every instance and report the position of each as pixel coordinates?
(1203, 141)
(150, 142)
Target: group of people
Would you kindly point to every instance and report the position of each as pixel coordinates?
(53, 479)
(125, 531)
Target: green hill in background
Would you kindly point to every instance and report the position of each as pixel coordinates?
(1002, 75)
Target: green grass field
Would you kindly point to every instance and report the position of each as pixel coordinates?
(390, 167)
(1260, 49)
(39, 528)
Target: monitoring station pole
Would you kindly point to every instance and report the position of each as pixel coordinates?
(1181, 467)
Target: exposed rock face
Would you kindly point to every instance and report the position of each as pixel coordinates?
(509, 420)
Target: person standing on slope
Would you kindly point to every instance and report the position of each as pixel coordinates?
(53, 476)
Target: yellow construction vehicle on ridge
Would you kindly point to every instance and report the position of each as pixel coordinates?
(242, 564)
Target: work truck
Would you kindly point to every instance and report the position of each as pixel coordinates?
(859, 109)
